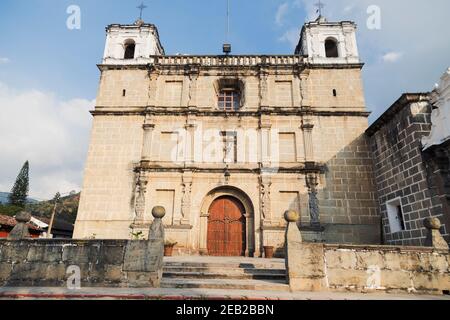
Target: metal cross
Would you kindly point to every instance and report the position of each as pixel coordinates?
(319, 6)
(142, 7)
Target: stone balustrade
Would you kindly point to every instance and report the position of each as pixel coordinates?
(218, 61)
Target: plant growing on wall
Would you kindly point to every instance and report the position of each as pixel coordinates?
(137, 235)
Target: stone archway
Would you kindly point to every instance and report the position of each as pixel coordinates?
(248, 214)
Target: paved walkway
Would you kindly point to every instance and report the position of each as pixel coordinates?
(193, 294)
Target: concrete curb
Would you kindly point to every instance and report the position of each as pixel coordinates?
(128, 297)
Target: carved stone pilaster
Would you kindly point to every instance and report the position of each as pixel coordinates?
(148, 127)
(190, 128)
(193, 74)
(312, 183)
(265, 195)
(141, 190)
(186, 198)
(153, 91)
(304, 94)
(265, 127)
(263, 88)
(307, 128)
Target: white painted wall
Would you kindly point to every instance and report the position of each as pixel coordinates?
(145, 37)
(440, 116)
(316, 33)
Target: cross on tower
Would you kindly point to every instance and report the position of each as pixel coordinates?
(320, 7)
(141, 8)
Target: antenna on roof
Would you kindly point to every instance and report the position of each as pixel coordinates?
(227, 45)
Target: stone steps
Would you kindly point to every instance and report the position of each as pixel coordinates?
(279, 266)
(231, 284)
(228, 270)
(224, 273)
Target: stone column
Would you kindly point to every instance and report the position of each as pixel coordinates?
(157, 227)
(292, 232)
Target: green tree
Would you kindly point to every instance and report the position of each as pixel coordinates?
(19, 192)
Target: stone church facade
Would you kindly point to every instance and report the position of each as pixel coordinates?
(228, 143)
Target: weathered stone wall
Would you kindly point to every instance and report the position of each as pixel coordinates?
(347, 83)
(320, 267)
(102, 263)
(113, 82)
(402, 172)
(109, 180)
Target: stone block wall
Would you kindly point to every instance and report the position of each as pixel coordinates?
(401, 169)
(319, 267)
(101, 263)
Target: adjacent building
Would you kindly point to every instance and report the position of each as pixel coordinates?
(410, 147)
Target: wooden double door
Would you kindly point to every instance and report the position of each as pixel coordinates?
(226, 228)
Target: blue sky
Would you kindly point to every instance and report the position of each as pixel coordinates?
(49, 78)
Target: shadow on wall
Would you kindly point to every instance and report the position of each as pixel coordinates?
(347, 196)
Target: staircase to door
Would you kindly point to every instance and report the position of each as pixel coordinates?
(231, 273)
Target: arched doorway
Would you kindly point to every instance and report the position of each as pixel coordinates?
(226, 228)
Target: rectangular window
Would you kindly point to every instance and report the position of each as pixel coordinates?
(173, 93)
(229, 143)
(229, 100)
(395, 215)
(284, 93)
(287, 147)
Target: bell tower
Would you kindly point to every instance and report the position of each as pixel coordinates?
(325, 42)
(131, 44)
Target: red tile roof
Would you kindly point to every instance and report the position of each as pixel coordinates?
(11, 222)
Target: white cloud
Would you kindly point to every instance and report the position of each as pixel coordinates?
(281, 13)
(52, 134)
(4, 60)
(291, 36)
(392, 56)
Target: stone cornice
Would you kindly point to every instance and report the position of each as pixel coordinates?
(216, 113)
(260, 63)
(299, 168)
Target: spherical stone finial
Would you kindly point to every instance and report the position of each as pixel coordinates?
(432, 223)
(23, 217)
(158, 212)
(291, 216)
